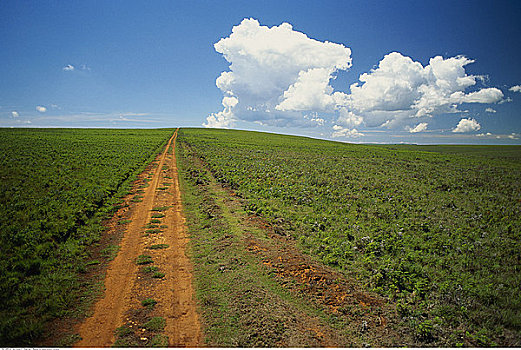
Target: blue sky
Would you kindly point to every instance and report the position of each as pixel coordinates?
(154, 64)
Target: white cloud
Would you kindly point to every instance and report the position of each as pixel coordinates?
(489, 95)
(279, 76)
(348, 118)
(340, 131)
(490, 110)
(41, 109)
(515, 88)
(82, 67)
(400, 88)
(467, 125)
(225, 118)
(15, 114)
(488, 135)
(314, 118)
(418, 128)
(310, 92)
(276, 74)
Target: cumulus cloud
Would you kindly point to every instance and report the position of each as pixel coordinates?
(348, 118)
(418, 128)
(68, 68)
(467, 125)
(225, 118)
(515, 88)
(340, 131)
(41, 109)
(15, 114)
(276, 74)
(490, 110)
(401, 88)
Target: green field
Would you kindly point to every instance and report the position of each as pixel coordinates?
(435, 229)
(56, 187)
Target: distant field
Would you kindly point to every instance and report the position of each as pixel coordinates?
(436, 229)
(56, 186)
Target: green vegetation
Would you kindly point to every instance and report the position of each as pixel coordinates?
(155, 324)
(123, 331)
(159, 246)
(110, 251)
(160, 208)
(434, 228)
(137, 199)
(153, 230)
(92, 262)
(158, 275)
(150, 269)
(144, 259)
(159, 341)
(56, 187)
(149, 302)
(242, 301)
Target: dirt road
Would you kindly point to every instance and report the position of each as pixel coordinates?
(156, 239)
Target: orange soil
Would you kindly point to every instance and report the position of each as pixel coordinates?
(126, 287)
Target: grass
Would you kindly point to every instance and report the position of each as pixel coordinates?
(110, 251)
(155, 324)
(157, 215)
(159, 246)
(153, 230)
(155, 221)
(144, 259)
(150, 269)
(158, 275)
(123, 331)
(123, 222)
(137, 199)
(242, 304)
(58, 185)
(149, 302)
(159, 341)
(432, 228)
(160, 208)
(93, 262)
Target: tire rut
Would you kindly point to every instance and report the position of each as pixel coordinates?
(126, 285)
